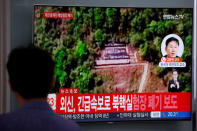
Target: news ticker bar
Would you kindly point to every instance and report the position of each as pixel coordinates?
(128, 116)
(119, 102)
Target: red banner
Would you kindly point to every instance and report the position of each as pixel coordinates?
(124, 102)
(171, 59)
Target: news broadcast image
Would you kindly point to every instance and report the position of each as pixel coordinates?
(115, 64)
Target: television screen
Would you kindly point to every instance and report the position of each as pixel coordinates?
(117, 63)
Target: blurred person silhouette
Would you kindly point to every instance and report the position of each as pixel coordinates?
(174, 84)
(31, 76)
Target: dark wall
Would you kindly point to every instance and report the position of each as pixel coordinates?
(21, 34)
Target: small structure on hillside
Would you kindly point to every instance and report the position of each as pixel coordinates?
(116, 53)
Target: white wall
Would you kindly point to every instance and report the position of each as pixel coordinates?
(4, 49)
(1, 56)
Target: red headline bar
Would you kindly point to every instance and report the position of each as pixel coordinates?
(124, 102)
(171, 59)
(58, 15)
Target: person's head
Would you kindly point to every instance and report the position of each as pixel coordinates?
(172, 47)
(30, 72)
(174, 74)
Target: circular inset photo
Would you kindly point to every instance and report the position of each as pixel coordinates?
(172, 46)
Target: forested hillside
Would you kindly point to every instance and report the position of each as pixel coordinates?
(75, 43)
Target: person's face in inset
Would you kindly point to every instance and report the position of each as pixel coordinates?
(172, 49)
(174, 75)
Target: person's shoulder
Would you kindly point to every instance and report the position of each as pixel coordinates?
(8, 116)
(60, 124)
(36, 118)
(7, 120)
(34, 121)
(69, 125)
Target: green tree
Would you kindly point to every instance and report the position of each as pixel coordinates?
(99, 17)
(100, 37)
(111, 17)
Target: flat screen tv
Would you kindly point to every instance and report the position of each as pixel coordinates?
(118, 63)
